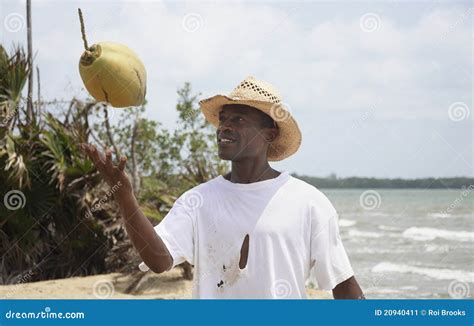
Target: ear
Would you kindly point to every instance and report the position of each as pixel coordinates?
(271, 135)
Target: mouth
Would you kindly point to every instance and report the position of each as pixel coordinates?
(225, 140)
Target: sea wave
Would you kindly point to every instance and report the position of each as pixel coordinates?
(378, 250)
(379, 214)
(346, 223)
(437, 273)
(440, 215)
(426, 234)
(389, 228)
(364, 234)
(437, 248)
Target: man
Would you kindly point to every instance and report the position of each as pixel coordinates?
(255, 232)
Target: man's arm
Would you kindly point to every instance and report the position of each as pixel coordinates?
(149, 245)
(349, 289)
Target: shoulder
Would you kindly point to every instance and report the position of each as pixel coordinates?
(308, 191)
(192, 201)
(317, 202)
(197, 193)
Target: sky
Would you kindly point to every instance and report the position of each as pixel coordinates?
(379, 89)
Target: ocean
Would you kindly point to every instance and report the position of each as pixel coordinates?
(409, 243)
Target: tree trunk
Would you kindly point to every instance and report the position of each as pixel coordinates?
(38, 103)
(29, 99)
(135, 172)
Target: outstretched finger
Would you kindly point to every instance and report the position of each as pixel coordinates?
(87, 149)
(95, 157)
(108, 157)
(122, 163)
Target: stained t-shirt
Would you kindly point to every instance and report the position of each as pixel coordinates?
(292, 228)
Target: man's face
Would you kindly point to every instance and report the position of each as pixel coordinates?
(240, 134)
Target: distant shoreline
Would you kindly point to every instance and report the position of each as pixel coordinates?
(333, 182)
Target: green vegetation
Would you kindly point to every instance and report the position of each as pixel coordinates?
(59, 219)
(359, 182)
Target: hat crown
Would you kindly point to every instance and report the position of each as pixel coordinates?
(257, 90)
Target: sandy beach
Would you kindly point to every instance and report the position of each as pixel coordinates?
(169, 285)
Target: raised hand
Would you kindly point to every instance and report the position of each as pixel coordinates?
(114, 175)
(148, 243)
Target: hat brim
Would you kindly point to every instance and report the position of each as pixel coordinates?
(289, 138)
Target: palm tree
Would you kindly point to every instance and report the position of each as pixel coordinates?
(46, 182)
(14, 71)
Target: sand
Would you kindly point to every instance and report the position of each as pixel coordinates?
(169, 285)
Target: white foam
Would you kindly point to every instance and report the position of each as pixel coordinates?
(437, 273)
(388, 228)
(440, 215)
(364, 234)
(378, 214)
(375, 250)
(436, 248)
(346, 223)
(426, 234)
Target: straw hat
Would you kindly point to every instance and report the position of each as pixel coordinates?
(266, 98)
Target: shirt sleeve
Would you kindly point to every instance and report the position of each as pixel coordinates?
(177, 229)
(328, 257)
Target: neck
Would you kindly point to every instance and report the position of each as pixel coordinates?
(250, 171)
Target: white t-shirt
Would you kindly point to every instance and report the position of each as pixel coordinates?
(292, 228)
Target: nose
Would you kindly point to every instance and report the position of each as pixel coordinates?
(225, 125)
